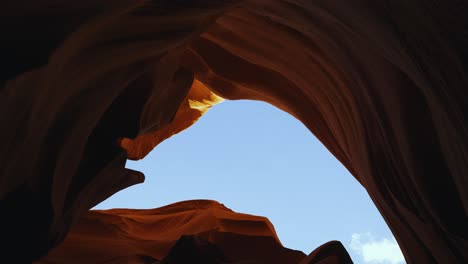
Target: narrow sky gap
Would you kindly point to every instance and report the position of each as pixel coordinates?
(257, 159)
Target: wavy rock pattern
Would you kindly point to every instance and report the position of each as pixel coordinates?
(133, 236)
(381, 83)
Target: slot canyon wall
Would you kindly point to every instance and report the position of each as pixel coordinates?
(87, 84)
(197, 231)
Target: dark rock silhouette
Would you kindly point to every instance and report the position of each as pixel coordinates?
(382, 84)
(331, 252)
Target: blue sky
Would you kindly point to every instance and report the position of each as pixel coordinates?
(257, 159)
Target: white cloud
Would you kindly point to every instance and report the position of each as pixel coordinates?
(383, 251)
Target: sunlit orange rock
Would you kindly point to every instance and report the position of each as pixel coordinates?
(87, 84)
(198, 100)
(146, 236)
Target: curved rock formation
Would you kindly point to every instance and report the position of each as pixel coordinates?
(198, 101)
(164, 234)
(381, 83)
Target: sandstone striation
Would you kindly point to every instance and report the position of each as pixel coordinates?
(88, 84)
(198, 231)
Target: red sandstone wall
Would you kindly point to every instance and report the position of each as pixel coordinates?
(381, 83)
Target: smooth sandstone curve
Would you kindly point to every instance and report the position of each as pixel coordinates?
(132, 236)
(381, 83)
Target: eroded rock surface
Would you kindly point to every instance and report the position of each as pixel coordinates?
(198, 231)
(381, 83)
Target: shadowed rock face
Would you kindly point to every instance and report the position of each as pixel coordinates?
(381, 83)
(198, 231)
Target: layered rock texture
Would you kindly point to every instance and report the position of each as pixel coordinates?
(197, 231)
(87, 84)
